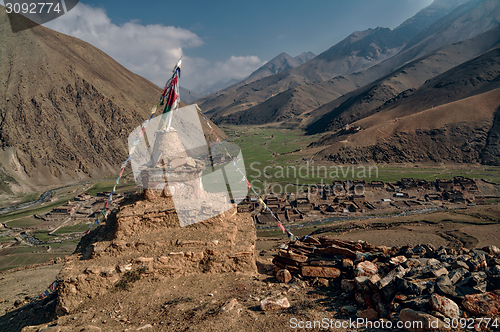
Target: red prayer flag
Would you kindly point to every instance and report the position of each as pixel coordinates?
(171, 98)
(280, 225)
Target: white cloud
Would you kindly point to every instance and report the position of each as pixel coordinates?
(150, 50)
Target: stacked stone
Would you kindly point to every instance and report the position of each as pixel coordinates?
(405, 283)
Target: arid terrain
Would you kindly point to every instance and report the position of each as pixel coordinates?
(138, 270)
(417, 240)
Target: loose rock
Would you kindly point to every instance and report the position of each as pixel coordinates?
(268, 304)
(283, 276)
(487, 304)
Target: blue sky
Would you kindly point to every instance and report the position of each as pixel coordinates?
(221, 40)
(265, 28)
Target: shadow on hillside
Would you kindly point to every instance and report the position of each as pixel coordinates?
(34, 313)
(104, 232)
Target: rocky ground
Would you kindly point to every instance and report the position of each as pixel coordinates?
(139, 271)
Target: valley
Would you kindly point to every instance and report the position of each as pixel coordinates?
(370, 187)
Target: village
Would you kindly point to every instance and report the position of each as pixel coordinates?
(358, 198)
(84, 208)
(81, 211)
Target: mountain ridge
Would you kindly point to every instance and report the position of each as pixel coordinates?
(375, 45)
(439, 110)
(240, 112)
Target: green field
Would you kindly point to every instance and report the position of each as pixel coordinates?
(12, 261)
(44, 236)
(269, 158)
(29, 255)
(81, 227)
(29, 212)
(23, 256)
(66, 246)
(29, 221)
(107, 185)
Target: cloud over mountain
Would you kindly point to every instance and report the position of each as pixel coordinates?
(149, 50)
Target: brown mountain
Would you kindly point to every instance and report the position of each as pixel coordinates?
(357, 52)
(66, 108)
(364, 101)
(452, 117)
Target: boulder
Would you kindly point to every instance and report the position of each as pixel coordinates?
(361, 282)
(444, 286)
(365, 268)
(284, 276)
(420, 303)
(445, 306)
(323, 282)
(457, 274)
(346, 285)
(369, 314)
(390, 277)
(398, 260)
(475, 283)
(347, 263)
(414, 287)
(486, 304)
(494, 270)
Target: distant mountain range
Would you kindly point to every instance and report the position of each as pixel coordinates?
(355, 79)
(278, 64)
(208, 89)
(364, 101)
(358, 51)
(229, 105)
(188, 96)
